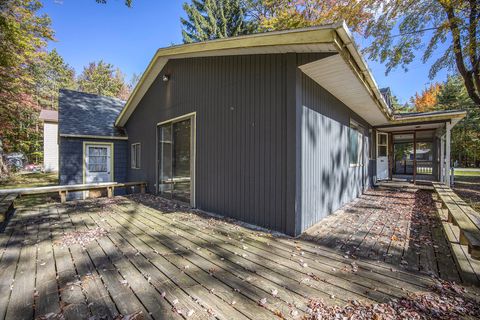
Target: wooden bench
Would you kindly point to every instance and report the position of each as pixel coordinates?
(463, 216)
(65, 189)
(6, 205)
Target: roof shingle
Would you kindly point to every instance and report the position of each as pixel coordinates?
(88, 114)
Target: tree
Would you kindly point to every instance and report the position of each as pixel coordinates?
(23, 36)
(400, 29)
(466, 134)
(291, 14)
(103, 79)
(51, 75)
(213, 19)
(399, 108)
(427, 99)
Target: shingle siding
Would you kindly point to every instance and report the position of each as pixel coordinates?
(71, 160)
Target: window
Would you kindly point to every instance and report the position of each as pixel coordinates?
(97, 159)
(135, 157)
(355, 144)
(382, 144)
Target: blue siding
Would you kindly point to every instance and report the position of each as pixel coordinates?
(326, 179)
(71, 158)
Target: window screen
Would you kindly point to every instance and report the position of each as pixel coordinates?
(97, 159)
(135, 157)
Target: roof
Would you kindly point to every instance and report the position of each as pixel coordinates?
(86, 114)
(345, 74)
(442, 115)
(49, 115)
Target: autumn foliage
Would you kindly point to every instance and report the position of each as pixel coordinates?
(427, 99)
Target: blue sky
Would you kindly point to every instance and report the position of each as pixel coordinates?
(128, 37)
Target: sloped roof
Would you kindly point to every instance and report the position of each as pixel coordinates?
(351, 81)
(49, 115)
(88, 114)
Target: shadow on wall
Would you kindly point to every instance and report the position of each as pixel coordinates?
(328, 181)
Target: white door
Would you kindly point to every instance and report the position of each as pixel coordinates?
(98, 163)
(382, 156)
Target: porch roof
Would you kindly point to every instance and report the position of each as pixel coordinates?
(422, 121)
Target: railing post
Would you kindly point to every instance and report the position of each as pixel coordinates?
(442, 159)
(447, 153)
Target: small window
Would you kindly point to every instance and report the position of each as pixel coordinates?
(355, 144)
(135, 157)
(97, 159)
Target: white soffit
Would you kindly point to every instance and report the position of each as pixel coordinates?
(413, 127)
(336, 76)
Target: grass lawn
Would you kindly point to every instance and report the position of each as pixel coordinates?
(31, 179)
(467, 186)
(464, 173)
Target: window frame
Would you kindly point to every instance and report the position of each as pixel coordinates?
(134, 162)
(100, 164)
(354, 125)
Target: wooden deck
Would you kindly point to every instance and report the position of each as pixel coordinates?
(393, 227)
(111, 257)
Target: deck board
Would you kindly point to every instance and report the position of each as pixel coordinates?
(180, 264)
(47, 299)
(21, 299)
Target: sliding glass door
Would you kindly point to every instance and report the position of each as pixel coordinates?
(175, 159)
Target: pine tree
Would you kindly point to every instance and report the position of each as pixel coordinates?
(466, 134)
(214, 19)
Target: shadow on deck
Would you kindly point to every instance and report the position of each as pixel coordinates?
(145, 257)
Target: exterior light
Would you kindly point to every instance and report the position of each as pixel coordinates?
(165, 77)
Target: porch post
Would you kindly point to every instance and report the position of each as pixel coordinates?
(447, 155)
(414, 157)
(442, 159)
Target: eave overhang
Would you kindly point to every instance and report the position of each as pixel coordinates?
(333, 38)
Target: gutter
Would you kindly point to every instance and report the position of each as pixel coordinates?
(347, 42)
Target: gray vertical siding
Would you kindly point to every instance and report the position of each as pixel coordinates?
(270, 143)
(243, 134)
(327, 180)
(71, 160)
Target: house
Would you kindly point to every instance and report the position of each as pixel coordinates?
(50, 139)
(277, 129)
(92, 149)
(420, 154)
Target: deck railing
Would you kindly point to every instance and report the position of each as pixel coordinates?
(406, 167)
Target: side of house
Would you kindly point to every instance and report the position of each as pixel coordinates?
(271, 145)
(92, 150)
(50, 140)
